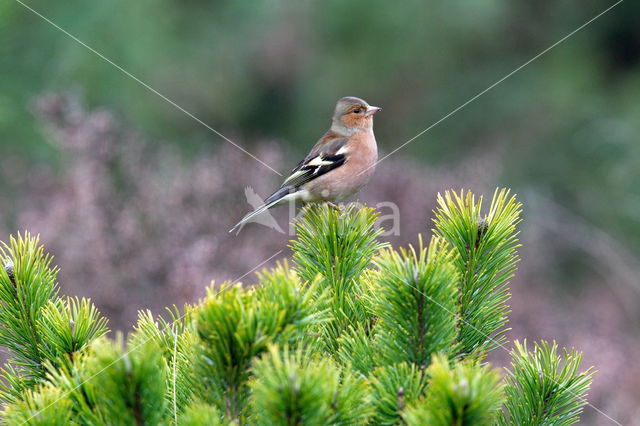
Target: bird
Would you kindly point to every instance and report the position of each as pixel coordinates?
(338, 165)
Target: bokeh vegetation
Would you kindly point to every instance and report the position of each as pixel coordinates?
(567, 123)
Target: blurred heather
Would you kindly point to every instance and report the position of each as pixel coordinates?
(134, 197)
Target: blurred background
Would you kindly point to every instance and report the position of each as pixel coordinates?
(134, 197)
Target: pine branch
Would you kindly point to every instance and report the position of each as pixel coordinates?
(199, 413)
(111, 384)
(544, 387)
(486, 260)
(414, 301)
(68, 326)
(40, 330)
(394, 387)
(356, 349)
(46, 406)
(298, 388)
(237, 324)
(304, 307)
(125, 384)
(337, 246)
(465, 394)
(177, 340)
(26, 286)
(14, 384)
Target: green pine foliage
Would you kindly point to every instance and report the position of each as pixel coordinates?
(486, 248)
(354, 333)
(421, 282)
(128, 384)
(544, 387)
(27, 285)
(356, 350)
(38, 329)
(336, 248)
(49, 406)
(200, 413)
(66, 326)
(236, 324)
(177, 341)
(465, 394)
(393, 387)
(311, 390)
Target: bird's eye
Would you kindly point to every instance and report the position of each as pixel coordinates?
(356, 111)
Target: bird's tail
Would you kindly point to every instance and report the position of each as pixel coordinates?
(276, 198)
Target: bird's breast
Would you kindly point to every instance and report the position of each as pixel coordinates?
(346, 180)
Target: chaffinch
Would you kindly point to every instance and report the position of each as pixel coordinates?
(339, 164)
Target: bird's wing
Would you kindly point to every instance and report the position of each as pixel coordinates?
(326, 155)
(321, 160)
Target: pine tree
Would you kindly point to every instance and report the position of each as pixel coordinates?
(354, 332)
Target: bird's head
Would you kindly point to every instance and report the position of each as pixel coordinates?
(352, 115)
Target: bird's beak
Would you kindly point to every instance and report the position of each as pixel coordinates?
(372, 110)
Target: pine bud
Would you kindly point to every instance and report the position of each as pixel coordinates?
(400, 398)
(8, 267)
(483, 226)
(127, 364)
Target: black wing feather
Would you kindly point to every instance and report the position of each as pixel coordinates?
(307, 172)
(309, 169)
